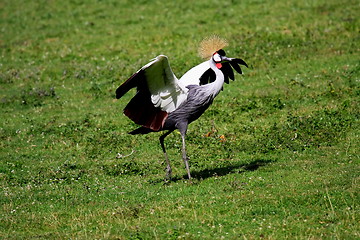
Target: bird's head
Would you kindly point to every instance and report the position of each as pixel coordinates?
(219, 57)
(212, 48)
(222, 62)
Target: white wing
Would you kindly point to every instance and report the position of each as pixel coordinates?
(158, 93)
(166, 92)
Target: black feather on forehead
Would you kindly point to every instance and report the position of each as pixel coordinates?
(221, 52)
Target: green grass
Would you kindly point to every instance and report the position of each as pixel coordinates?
(275, 157)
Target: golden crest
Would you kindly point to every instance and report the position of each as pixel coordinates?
(210, 45)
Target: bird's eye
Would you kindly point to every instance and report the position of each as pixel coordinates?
(217, 57)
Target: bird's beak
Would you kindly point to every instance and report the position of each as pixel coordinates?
(225, 59)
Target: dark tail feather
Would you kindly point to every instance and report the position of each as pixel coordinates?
(141, 130)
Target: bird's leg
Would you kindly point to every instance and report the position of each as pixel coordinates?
(168, 167)
(186, 160)
(183, 128)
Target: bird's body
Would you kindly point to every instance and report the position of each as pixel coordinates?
(198, 100)
(163, 102)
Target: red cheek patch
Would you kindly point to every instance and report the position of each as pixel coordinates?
(218, 65)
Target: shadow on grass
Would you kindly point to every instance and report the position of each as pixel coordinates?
(222, 171)
(236, 168)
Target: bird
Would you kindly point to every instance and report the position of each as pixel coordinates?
(165, 103)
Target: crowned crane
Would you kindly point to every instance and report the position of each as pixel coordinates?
(163, 102)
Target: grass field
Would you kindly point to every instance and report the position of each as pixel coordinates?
(275, 157)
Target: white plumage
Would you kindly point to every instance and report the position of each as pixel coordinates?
(192, 77)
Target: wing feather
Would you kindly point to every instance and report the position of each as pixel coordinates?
(158, 93)
(166, 92)
(136, 80)
(141, 110)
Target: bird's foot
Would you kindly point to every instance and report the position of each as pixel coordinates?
(168, 172)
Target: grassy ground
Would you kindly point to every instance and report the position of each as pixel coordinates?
(275, 157)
